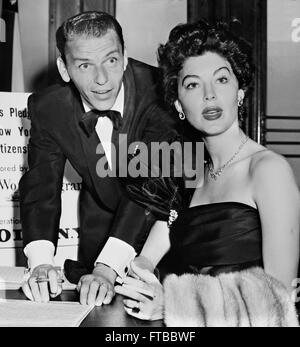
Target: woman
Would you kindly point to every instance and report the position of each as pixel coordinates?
(244, 213)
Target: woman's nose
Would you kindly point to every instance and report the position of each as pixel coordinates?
(209, 93)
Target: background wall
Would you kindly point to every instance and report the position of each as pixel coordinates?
(283, 57)
(34, 23)
(283, 80)
(147, 23)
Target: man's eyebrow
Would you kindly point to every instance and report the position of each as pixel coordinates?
(106, 55)
(112, 52)
(81, 59)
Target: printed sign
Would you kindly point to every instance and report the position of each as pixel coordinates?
(14, 137)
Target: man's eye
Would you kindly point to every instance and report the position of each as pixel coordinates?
(84, 66)
(112, 60)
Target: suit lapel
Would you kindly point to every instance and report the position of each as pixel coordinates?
(134, 108)
(105, 187)
(129, 120)
(129, 97)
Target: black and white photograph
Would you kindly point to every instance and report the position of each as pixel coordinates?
(149, 166)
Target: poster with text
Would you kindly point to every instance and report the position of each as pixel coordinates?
(14, 137)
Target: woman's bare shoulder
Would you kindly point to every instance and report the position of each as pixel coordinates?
(266, 164)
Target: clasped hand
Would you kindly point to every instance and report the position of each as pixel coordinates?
(43, 282)
(147, 306)
(97, 288)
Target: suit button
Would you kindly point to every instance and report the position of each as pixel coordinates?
(147, 212)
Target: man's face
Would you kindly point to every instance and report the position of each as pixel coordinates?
(96, 66)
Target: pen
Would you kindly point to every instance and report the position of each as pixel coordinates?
(60, 280)
(42, 280)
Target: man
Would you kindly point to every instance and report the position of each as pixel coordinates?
(98, 77)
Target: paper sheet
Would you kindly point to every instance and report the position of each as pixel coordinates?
(11, 277)
(23, 313)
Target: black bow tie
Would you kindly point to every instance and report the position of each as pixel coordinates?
(89, 119)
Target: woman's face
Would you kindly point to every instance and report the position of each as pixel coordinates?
(208, 93)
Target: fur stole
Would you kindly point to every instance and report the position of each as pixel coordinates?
(247, 298)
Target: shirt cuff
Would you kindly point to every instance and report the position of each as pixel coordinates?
(39, 252)
(117, 254)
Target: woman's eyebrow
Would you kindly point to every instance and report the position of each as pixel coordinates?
(188, 76)
(196, 76)
(221, 68)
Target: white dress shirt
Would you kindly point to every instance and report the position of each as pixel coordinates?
(116, 253)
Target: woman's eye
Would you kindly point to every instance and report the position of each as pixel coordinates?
(192, 85)
(223, 79)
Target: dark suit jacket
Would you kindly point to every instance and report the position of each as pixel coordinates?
(56, 136)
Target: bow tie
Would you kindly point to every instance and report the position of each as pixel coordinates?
(89, 119)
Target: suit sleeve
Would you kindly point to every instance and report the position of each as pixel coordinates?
(40, 187)
(133, 222)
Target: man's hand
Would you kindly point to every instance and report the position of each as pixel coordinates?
(97, 288)
(48, 286)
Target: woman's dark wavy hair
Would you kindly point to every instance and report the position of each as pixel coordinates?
(195, 39)
(89, 23)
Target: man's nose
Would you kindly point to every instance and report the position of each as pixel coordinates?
(101, 76)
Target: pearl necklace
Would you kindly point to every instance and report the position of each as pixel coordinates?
(215, 174)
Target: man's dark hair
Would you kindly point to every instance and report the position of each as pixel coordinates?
(90, 24)
(195, 39)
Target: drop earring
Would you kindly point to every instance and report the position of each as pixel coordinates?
(181, 116)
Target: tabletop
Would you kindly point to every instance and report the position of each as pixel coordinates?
(112, 315)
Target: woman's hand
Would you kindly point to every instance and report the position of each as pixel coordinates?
(148, 306)
(142, 263)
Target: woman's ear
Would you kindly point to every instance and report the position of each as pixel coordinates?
(241, 95)
(62, 69)
(178, 106)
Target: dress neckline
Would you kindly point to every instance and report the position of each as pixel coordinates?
(241, 204)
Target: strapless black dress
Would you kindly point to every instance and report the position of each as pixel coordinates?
(216, 238)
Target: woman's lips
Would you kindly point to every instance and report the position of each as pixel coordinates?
(212, 113)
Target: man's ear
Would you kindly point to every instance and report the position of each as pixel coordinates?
(125, 58)
(178, 106)
(62, 69)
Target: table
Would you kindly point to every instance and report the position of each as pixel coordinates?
(112, 315)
